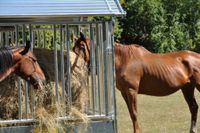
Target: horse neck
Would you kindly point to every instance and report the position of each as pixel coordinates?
(6, 62)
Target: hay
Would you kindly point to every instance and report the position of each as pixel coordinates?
(47, 109)
(9, 98)
(78, 76)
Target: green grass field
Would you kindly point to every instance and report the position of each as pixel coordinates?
(169, 114)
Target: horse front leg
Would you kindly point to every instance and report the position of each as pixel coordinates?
(130, 97)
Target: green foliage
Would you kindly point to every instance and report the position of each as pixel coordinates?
(162, 25)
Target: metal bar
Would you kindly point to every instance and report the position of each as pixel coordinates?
(18, 78)
(23, 35)
(69, 93)
(33, 38)
(55, 61)
(64, 38)
(98, 67)
(16, 35)
(25, 83)
(105, 39)
(38, 39)
(7, 38)
(92, 68)
(16, 121)
(44, 39)
(113, 76)
(26, 99)
(62, 64)
(52, 23)
(91, 117)
(101, 52)
(12, 37)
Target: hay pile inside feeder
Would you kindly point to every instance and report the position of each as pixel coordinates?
(47, 108)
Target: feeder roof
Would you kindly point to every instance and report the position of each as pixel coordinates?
(35, 9)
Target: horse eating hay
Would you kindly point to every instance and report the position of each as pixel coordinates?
(9, 94)
(138, 71)
(78, 75)
(22, 62)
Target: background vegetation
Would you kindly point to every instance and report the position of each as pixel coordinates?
(160, 25)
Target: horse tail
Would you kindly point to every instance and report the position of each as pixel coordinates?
(26, 49)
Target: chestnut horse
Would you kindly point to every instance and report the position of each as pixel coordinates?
(22, 62)
(138, 71)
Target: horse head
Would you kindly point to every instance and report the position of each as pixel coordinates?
(82, 47)
(26, 66)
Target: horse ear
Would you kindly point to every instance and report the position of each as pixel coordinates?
(26, 49)
(82, 36)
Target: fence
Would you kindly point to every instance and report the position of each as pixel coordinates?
(59, 37)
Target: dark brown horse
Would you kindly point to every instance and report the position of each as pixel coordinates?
(138, 71)
(22, 62)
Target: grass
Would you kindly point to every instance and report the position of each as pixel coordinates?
(169, 114)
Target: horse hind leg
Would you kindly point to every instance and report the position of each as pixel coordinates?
(196, 79)
(188, 92)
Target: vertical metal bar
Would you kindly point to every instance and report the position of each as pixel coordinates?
(38, 39)
(105, 39)
(55, 61)
(64, 38)
(31, 37)
(26, 86)
(33, 34)
(69, 94)
(92, 68)
(26, 99)
(18, 79)
(101, 52)
(7, 37)
(114, 76)
(98, 67)
(16, 35)
(23, 35)
(12, 37)
(62, 63)
(110, 68)
(44, 37)
(25, 83)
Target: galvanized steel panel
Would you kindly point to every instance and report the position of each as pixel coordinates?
(67, 8)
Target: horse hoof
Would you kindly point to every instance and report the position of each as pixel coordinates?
(193, 131)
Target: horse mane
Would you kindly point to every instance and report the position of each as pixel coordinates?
(6, 59)
(126, 52)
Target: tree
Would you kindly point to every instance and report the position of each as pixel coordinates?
(161, 25)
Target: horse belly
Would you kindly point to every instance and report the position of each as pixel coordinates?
(155, 87)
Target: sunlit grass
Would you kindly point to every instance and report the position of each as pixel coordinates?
(169, 114)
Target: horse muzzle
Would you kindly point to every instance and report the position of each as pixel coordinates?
(37, 82)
